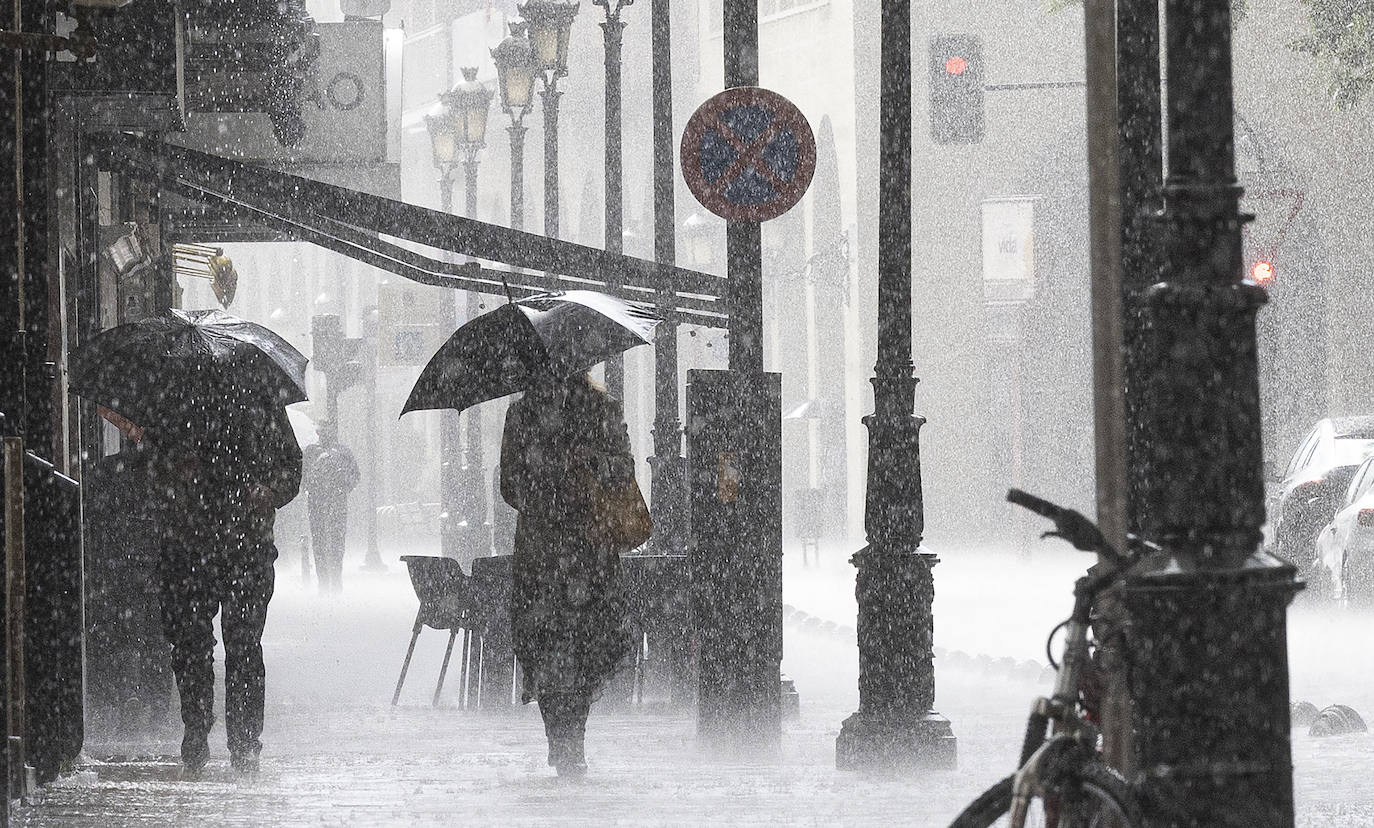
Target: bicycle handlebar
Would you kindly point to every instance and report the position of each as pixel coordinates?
(1070, 525)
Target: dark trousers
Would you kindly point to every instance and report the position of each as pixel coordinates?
(565, 724)
(197, 584)
(328, 524)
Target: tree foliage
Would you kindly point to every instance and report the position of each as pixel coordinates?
(1341, 38)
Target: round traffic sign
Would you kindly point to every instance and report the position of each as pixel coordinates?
(748, 154)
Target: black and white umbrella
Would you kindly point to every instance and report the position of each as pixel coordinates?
(507, 350)
(188, 370)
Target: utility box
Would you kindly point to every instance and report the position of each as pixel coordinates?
(734, 474)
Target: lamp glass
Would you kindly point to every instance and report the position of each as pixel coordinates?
(550, 25)
(517, 87)
(443, 138)
(473, 123)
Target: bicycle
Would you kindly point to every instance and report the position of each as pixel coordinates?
(1061, 778)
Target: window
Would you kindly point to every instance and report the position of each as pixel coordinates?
(769, 10)
(1361, 482)
(1302, 455)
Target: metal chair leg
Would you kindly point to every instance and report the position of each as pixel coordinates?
(405, 665)
(463, 669)
(481, 656)
(443, 669)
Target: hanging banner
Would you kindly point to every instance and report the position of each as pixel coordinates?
(1009, 248)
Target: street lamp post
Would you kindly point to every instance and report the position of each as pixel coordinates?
(549, 23)
(515, 70)
(895, 725)
(1207, 613)
(460, 127)
(667, 492)
(613, 29)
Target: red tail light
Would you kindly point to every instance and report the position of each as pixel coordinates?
(1365, 517)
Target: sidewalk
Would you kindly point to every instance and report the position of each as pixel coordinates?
(338, 754)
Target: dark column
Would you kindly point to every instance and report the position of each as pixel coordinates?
(734, 456)
(13, 415)
(743, 239)
(613, 29)
(451, 459)
(13, 361)
(667, 500)
(1208, 614)
(1139, 139)
(517, 175)
(550, 94)
(472, 477)
(895, 725)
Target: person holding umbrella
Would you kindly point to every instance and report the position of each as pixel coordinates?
(209, 391)
(567, 468)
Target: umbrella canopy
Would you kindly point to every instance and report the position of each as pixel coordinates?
(187, 370)
(507, 350)
(307, 433)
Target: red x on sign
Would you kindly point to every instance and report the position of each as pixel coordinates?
(748, 154)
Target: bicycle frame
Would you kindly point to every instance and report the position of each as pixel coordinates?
(1059, 709)
(1060, 762)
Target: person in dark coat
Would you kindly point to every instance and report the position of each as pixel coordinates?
(567, 611)
(330, 474)
(220, 487)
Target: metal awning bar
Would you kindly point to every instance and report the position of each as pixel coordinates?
(311, 203)
(365, 247)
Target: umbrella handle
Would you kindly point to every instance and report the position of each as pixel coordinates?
(509, 297)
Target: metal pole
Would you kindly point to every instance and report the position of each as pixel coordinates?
(474, 480)
(14, 611)
(743, 239)
(1215, 741)
(667, 493)
(451, 453)
(895, 725)
(735, 451)
(517, 173)
(13, 359)
(1140, 159)
(613, 29)
(1104, 232)
(550, 94)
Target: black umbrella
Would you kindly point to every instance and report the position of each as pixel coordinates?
(507, 350)
(188, 369)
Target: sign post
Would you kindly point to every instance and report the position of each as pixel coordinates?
(748, 156)
(1008, 283)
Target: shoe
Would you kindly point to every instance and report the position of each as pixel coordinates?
(571, 769)
(195, 753)
(244, 762)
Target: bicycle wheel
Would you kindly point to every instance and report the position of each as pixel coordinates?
(1096, 797)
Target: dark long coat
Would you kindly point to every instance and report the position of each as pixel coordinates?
(567, 608)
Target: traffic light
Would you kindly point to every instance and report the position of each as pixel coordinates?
(1262, 272)
(956, 89)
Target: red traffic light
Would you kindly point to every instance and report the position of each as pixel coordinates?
(1262, 272)
(955, 65)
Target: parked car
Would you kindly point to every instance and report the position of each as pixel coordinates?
(1315, 483)
(1344, 565)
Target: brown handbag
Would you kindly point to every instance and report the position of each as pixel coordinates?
(622, 517)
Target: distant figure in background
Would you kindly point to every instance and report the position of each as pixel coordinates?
(563, 439)
(330, 474)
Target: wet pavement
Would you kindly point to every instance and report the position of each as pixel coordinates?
(337, 753)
